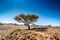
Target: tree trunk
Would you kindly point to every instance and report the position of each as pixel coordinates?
(28, 27)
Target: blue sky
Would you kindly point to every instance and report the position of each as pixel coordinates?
(47, 10)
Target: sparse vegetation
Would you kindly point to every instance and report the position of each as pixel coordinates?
(1, 23)
(26, 19)
(49, 26)
(19, 34)
(16, 30)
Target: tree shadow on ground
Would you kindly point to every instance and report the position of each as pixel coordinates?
(39, 29)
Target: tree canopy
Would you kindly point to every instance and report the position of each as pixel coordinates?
(26, 18)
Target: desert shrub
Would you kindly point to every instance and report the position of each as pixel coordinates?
(15, 24)
(1, 23)
(16, 30)
(49, 25)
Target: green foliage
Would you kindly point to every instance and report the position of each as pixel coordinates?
(26, 18)
(16, 30)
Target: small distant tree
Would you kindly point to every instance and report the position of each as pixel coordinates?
(1, 23)
(26, 19)
(49, 25)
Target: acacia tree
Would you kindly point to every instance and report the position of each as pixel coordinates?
(27, 19)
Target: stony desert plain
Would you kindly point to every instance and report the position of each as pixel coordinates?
(35, 33)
